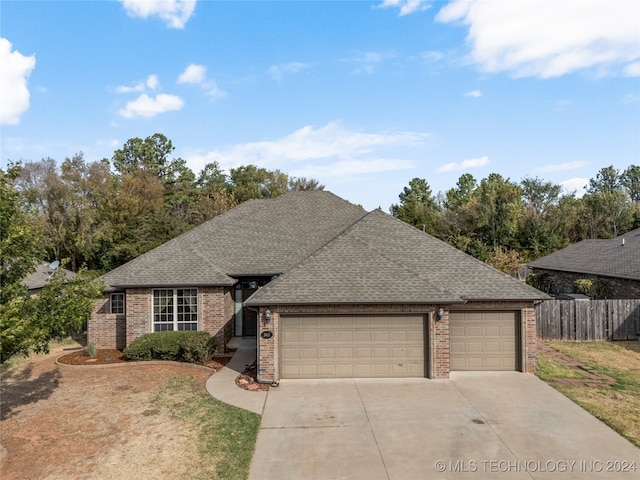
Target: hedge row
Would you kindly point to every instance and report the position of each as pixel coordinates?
(187, 346)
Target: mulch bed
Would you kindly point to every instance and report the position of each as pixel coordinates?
(247, 380)
(108, 356)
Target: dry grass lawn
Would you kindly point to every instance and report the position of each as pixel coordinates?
(617, 405)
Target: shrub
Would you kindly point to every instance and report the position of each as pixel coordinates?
(592, 287)
(91, 350)
(188, 346)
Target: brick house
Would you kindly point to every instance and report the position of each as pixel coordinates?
(614, 262)
(328, 290)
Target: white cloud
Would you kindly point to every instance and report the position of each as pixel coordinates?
(562, 167)
(473, 94)
(366, 62)
(138, 87)
(197, 74)
(464, 165)
(342, 152)
(152, 82)
(193, 74)
(278, 71)
(406, 6)
(530, 38)
(432, 55)
(175, 13)
(630, 98)
(575, 185)
(14, 94)
(146, 106)
(632, 70)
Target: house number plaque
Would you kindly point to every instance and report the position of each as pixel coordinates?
(266, 334)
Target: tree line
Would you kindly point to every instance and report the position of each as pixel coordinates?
(101, 214)
(507, 223)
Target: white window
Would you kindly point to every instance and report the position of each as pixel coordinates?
(117, 303)
(175, 309)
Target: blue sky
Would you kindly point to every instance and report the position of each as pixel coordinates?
(363, 96)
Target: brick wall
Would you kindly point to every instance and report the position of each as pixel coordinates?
(562, 282)
(105, 330)
(215, 315)
(268, 353)
(440, 360)
(138, 308)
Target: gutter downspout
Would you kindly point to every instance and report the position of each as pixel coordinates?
(271, 383)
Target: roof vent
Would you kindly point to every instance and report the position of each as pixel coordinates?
(622, 245)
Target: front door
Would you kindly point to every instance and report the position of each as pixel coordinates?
(250, 323)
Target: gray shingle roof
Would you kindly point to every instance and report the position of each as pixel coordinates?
(40, 277)
(384, 260)
(258, 237)
(327, 250)
(608, 258)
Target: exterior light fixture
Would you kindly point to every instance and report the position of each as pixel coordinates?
(267, 315)
(440, 314)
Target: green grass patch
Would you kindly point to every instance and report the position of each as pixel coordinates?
(549, 369)
(617, 405)
(225, 436)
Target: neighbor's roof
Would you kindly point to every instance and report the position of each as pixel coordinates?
(607, 258)
(41, 276)
(381, 259)
(258, 237)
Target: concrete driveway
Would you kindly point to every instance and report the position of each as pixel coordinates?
(505, 425)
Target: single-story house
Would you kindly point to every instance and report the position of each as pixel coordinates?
(36, 281)
(615, 262)
(328, 290)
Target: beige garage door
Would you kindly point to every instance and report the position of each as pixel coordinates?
(483, 340)
(352, 346)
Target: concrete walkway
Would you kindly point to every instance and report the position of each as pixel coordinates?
(223, 386)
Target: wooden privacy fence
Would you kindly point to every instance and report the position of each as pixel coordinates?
(584, 320)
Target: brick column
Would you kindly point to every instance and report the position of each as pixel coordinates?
(440, 353)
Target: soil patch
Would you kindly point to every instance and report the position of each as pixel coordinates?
(60, 422)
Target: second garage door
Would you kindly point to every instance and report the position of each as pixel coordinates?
(325, 346)
(483, 340)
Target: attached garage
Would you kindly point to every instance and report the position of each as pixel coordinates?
(345, 346)
(483, 340)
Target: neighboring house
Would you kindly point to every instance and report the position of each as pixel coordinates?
(329, 290)
(615, 262)
(38, 279)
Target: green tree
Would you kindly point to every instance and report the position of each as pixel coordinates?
(609, 208)
(630, 180)
(537, 237)
(20, 244)
(304, 184)
(418, 206)
(150, 155)
(29, 323)
(499, 209)
(457, 197)
(250, 182)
